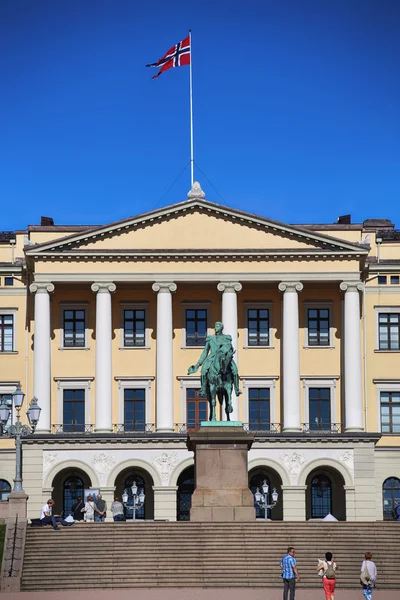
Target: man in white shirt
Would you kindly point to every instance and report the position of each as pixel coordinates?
(47, 517)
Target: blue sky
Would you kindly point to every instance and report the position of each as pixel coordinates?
(296, 108)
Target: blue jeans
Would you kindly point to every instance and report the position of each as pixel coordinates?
(99, 518)
(119, 518)
(54, 521)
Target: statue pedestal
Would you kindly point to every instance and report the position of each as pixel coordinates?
(221, 473)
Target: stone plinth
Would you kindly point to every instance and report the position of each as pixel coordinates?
(221, 474)
(17, 505)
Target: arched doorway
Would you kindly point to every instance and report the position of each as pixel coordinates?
(325, 494)
(273, 479)
(124, 482)
(68, 485)
(5, 489)
(184, 494)
(391, 497)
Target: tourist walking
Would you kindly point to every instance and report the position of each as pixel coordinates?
(368, 576)
(89, 510)
(117, 510)
(100, 510)
(289, 574)
(328, 567)
(77, 509)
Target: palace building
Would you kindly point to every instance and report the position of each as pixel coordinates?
(101, 323)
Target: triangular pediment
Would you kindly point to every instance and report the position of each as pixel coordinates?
(193, 227)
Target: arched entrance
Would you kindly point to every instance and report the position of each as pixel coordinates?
(68, 485)
(325, 494)
(184, 494)
(143, 479)
(391, 497)
(273, 479)
(5, 489)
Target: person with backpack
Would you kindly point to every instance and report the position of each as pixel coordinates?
(368, 576)
(328, 568)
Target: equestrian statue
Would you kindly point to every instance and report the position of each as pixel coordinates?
(219, 373)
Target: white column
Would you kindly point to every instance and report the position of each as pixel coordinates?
(352, 356)
(164, 374)
(103, 418)
(291, 356)
(230, 321)
(42, 353)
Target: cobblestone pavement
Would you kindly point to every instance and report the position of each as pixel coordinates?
(197, 594)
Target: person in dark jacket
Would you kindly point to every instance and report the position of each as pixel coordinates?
(77, 509)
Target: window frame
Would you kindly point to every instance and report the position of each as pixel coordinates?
(74, 306)
(7, 284)
(197, 401)
(390, 404)
(123, 306)
(202, 305)
(384, 385)
(68, 383)
(321, 382)
(317, 305)
(135, 383)
(260, 382)
(135, 389)
(9, 388)
(267, 305)
(11, 312)
(385, 310)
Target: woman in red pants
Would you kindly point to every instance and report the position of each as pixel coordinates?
(329, 568)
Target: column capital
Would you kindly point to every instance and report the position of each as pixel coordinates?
(351, 286)
(290, 286)
(103, 287)
(41, 288)
(229, 286)
(164, 287)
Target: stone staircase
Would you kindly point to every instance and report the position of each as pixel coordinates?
(184, 554)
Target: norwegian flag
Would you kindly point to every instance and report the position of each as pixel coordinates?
(177, 56)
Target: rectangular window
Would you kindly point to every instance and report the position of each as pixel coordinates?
(394, 279)
(390, 412)
(389, 324)
(319, 408)
(74, 411)
(258, 326)
(8, 280)
(7, 399)
(74, 324)
(6, 333)
(382, 280)
(196, 326)
(318, 326)
(196, 409)
(134, 327)
(134, 409)
(259, 409)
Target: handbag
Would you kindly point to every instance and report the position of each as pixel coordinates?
(365, 577)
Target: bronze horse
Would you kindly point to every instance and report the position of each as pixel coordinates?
(220, 383)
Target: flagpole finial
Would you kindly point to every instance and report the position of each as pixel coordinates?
(196, 191)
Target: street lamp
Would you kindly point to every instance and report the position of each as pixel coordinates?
(18, 430)
(262, 498)
(138, 498)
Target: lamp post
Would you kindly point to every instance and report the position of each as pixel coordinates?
(138, 498)
(262, 498)
(18, 430)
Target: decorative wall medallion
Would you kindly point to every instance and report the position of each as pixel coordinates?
(102, 464)
(49, 459)
(293, 462)
(164, 464)
(346, 458)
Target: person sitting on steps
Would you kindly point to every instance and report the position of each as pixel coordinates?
(47, 517)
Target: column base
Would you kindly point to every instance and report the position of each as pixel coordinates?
(165, 430)
(103, 430)
(353, 429)
(291, 430)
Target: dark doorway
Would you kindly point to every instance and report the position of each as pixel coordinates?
(325, 494)
(144, 481)
(184, 494)
(273, 479)
(391, 497)
(67, 486)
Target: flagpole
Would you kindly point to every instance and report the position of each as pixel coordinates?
(191, 113)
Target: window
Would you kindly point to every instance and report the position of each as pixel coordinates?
(73, 410)
(74, 326)
(259, 409)
(258, 327)
(382, 280)
(8, 280)
(391, 497)
(134, 327)
(5, 489)
(196, 409)
(134, 409)
(321, 496)
(73, 488)
(394, 279)
(196, 326)
(390, 412)
(7, 399)
(319, 408)
(318, 326)
(6, 333)
(388, 324)
(185, 491)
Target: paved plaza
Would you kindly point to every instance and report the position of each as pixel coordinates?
(199, 594)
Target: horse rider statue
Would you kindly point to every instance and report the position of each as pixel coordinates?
(219, 373)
